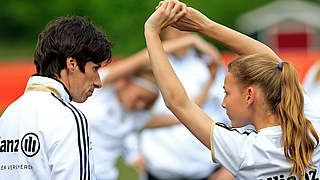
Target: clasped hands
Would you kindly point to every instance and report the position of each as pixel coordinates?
(176, 14)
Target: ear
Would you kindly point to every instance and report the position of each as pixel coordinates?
(71, 64)
(250, 96)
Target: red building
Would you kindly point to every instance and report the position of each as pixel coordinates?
(284, 25)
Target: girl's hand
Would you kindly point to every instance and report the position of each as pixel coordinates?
(193, 21)
(166, 13)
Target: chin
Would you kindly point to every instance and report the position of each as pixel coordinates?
(130, 109)
(238, 125)
(235, 124)
(125, 107)
(80, 100)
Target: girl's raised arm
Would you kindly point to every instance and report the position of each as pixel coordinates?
(172, 90)
(236, 41)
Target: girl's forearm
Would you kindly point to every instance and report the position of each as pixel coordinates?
(172, 90)
(236, 41)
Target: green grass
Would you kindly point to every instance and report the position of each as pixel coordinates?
(126, 172)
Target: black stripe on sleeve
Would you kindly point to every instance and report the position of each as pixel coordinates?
(82, 153)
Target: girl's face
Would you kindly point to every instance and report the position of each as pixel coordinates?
(134, 97)
(235, 102)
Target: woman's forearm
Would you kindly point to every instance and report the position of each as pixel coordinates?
(236, 41)
(172, 90)
(126, 66)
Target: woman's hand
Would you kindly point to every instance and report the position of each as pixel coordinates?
(193, 21)
(167, 12)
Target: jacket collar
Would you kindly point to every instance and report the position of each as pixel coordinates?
(42, 83)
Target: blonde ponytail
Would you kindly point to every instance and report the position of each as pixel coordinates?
(298, 145)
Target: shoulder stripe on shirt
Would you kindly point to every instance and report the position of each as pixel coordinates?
(85, 135)
(83, 151)
(247, 132)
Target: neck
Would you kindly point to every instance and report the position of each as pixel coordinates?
(265, 119)
(64, 79)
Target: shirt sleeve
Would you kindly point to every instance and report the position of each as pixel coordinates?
(228, 146)
(141, 119)
(309, 77)
(131, 150)
(310, 109)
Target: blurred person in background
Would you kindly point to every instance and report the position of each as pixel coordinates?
(116, 113)
(173, 152)
(312, 83)
(42, 135)
(121, 109)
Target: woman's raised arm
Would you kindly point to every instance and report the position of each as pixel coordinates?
(236, 41)
(171, 88)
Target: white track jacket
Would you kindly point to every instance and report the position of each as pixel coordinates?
(42, 136)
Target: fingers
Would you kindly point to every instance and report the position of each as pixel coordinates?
(166, 13)
(171, 5)
(160, 3)
(175, 10)
(182, 10)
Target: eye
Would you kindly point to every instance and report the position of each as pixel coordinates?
(96, 68)
(225, 92)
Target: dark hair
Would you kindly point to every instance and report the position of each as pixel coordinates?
(74, 37)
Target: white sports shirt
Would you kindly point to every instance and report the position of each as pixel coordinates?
(173, 152)
(42, 136)
(312, 88)
(113, 130)
(259, 155)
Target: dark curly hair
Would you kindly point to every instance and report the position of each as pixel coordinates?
(74, 37)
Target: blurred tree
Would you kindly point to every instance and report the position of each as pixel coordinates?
(122, 20)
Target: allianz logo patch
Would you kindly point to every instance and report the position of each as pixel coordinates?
(29, 145)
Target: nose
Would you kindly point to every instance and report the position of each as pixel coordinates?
(97, 81)
(140, 105)
(223, 104)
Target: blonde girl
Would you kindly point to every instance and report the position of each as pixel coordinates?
(260, 90)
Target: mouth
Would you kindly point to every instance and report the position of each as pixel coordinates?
(90, 92)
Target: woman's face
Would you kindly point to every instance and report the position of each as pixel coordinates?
(235, 102)
(134, 97)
